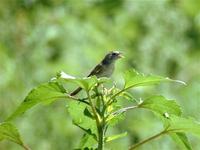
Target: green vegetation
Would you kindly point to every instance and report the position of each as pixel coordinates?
(103, 108)
(40, 37)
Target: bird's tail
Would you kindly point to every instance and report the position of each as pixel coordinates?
(75, 91)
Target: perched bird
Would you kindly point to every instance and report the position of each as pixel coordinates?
(104, 69)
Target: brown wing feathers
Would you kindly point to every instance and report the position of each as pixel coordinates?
(95, 71)
(76, 91)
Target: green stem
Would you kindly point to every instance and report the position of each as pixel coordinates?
(97, 118)
(102, 127)
(125, 89)
(77, 99)
(148, 139)
(25, 147)
(98, 102)
(101, 138)
(99, 123)
(124, 110)
(83, 100)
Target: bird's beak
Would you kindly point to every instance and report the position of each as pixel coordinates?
(120, 55)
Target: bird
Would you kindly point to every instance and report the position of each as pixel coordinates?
(104, 69)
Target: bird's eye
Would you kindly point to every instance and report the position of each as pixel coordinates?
(113, 54)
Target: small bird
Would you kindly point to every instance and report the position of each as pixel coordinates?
(104, 69)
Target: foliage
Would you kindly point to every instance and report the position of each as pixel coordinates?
(40, 37)
(95, 114)
(9, 132)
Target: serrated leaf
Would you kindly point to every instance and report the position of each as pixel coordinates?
(113, 120)
(44, 93)
(179, 124)
(88, 113)
(87, 142)
(76, 111)
(10, 132)
(181, 140)
(88, 131)
(135, 79)
(161, 105)
(128, 96)
(115, 137)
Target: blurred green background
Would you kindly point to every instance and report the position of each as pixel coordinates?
(40, 37)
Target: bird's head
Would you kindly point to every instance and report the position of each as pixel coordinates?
(112, 57)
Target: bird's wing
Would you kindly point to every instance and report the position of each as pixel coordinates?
(76, 91)
(97, 70)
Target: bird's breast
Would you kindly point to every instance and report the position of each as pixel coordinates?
(107, 70)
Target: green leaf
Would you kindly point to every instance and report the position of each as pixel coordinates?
(179, 125)
(114, 137)
(88, 131)
(10, 132)
(103, 80)
(44, 93)
(113, 120)
(86, 83)
(128, 96)
(87, 142)
(76, 111)
(88, 113)
(181, 140)
(135, 79)
(161, 105)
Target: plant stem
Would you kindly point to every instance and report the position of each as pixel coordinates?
(148, 139)
(102, 129)
(124, 89)
(77, 99)
(94, 110)
(122, 110)
(101, 138)
(25, 147)
(99, 123)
